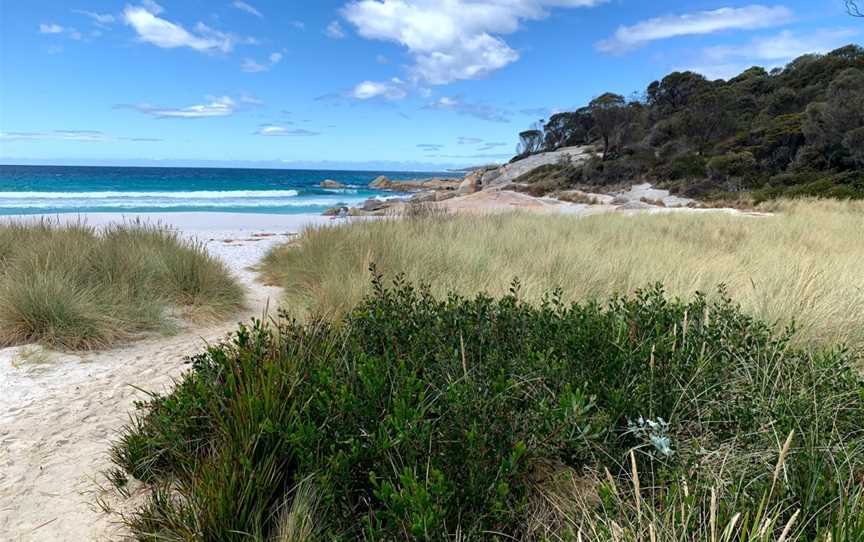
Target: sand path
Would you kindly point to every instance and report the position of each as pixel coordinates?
(60, 412)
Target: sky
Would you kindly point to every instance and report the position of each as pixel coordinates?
(359, 84)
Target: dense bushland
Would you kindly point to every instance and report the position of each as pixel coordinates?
(802, 264)
(73, 286)
(795, 131)
(416, 418)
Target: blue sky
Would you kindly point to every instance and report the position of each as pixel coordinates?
(405, 84)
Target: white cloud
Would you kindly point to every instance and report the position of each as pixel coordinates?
(701, 22)
(334, 30)
(243, 6)
(218, 106)
(450, 39)
(273, 130)
(152, 6)
(86, 136)
(98, 18)
(393, 89)
(726, 61)
(50, 29)
(250, 100)
(65, 135)
(58, 30)
(784, 46)
(491, 145)
(163, 33)
(477, 110)
(251, 66)
(430, 147)
(299, 25)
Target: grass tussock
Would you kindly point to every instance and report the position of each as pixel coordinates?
(645, 418)
(73, 286)
(804, 264)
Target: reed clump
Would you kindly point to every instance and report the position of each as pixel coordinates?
(74, 286)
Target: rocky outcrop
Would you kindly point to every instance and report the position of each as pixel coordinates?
(381, 183)
(471, 183)
(330, 183)
(500, 177)
(373, 204)
(415, 185)
(646, 193)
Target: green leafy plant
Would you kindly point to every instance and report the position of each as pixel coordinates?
(424, 418)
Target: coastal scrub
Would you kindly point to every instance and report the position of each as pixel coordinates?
(417, 418)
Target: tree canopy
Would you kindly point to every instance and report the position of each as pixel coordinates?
(793, 130)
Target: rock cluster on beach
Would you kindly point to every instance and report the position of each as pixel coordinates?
(491, 186)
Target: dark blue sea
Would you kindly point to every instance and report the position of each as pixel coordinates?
(74, 189)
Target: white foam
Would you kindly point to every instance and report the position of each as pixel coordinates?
(150, 204)
(196, 194)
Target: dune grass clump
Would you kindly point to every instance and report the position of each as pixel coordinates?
(73, 286)
(423, 417)
(802, 264)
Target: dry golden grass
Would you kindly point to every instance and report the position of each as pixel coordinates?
(805, 264)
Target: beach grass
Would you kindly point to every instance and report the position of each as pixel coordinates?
(802, 264)
(74, 286)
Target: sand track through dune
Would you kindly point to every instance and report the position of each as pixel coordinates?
(59, 412)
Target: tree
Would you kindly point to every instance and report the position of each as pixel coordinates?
(709, 117)
(610, 117)
(827, 123)
(674, 91)
(568, 129)
(854, 143)
(853, 9)
(732, 168)
(530, 142)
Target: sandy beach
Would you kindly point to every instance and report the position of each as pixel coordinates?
(60, 411)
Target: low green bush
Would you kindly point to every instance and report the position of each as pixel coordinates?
(810, 184)
(417, 418)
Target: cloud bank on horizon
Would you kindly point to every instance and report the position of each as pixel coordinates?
(438, 73)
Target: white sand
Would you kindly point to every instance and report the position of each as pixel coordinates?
(59, 412)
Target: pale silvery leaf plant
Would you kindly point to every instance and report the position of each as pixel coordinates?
(653, 433)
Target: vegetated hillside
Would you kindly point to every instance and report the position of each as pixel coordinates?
(793, 131)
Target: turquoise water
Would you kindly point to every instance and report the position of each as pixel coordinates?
(66, 189)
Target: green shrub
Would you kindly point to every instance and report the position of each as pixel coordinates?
(419, 418)
(808, 184)
(687, 166)
(732, 166)
(547, 179)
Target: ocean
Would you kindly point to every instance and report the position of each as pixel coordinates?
(74, 189)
